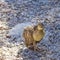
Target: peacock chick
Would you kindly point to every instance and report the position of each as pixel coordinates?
(33, 36)
(38, 35)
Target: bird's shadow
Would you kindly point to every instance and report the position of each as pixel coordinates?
(28, 54)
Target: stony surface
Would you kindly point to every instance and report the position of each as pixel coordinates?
(15, 15)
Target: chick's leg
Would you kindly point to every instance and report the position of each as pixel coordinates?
(34, 44)
(35, 47)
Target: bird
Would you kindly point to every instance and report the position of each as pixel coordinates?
(33, 35)
(38, 35)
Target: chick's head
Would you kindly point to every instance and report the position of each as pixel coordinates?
(40, 26)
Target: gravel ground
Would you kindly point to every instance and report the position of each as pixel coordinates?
(15, 15)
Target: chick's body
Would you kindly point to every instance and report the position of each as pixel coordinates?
(38, 35)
